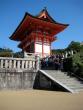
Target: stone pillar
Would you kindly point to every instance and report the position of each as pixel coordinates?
(1, 63)
(66, 55)
(6, 63)
(23, 64)
(18, 64)
(10, 63)
(30, 64)
(37, 62)
(33, 64)
(26, 64)
(14, 64)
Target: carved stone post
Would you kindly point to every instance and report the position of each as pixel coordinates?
(26, 64)
(37, 63)
(66, 55)
(14, 64)
(23, 64)
(33, 64)
(10, 63)
(6, 63)
(1, 63)
(30, 64)
(18, 64)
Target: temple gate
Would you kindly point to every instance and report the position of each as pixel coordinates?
(36, 33)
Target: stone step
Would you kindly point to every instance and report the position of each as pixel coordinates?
(68, 80)
(65, 80)
(76, 88)
(62, 76)
(73, 84)
(70, 83)
(79, 90)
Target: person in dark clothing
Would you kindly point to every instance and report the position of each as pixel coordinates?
(57, 64)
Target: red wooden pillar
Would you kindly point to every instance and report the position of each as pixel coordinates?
(34, 44)
(50, 47)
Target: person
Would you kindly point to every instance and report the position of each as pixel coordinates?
(61, 64)
(57, 64)
(46, 61)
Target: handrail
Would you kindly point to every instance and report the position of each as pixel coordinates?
(19, 63)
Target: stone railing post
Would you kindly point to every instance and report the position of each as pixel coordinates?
(37, 59)
(33, 64)
(10, 63)
(26, 64)
(66, 54)
(2, 63)
(23, 64)
(14, 65)
(30, 64)
(18, 64)
(6, 63)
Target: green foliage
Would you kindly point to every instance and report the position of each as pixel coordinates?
(5, 50)
(5, 54)
(81, 53)
(18, 55)
(74, 46)
(67, 64)
(78, 63)
(74, 64)
(58, 51)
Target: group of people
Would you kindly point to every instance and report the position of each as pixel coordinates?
(52, 62)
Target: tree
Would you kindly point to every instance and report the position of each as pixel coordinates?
(73, 63)
(58, 51)
(75, 46)
(18, 55)
(77, 58)
(6, 52)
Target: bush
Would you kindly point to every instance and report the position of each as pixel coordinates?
(67, 64)
(18, 55)
(74, 64)
(78, 64)
(5, 54)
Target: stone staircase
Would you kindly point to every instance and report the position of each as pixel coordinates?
(70, 83)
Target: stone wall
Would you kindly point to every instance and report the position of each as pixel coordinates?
(18, 73)
(11, 79)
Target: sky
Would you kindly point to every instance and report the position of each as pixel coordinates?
(63, 11)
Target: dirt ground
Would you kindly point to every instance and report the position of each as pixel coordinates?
(40, 100)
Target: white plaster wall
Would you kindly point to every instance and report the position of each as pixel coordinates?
(38, 48)
(46, 49)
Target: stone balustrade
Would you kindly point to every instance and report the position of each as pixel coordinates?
(19, 63)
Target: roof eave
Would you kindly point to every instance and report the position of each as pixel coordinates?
(11, 37)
